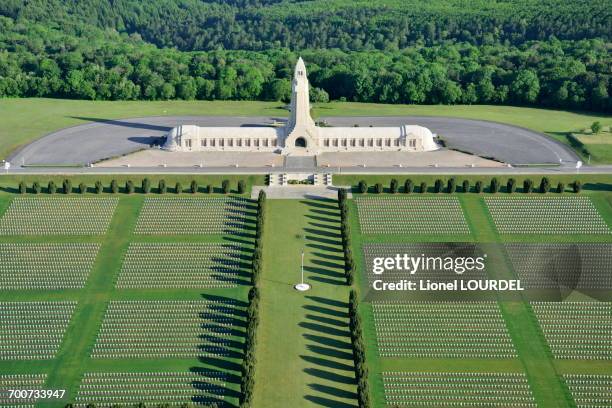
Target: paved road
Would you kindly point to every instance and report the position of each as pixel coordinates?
(353, 170)
(507, 143)
(103, 139)
(108, 138)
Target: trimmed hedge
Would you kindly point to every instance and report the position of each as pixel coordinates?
(361, 369)
(345, 233)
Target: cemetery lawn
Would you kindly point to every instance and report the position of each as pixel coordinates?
(73, 358)
(304, 353)
(534, 356)
(50, 115)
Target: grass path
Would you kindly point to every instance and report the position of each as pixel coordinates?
(526, 335)
(80, 336)
(304, 351)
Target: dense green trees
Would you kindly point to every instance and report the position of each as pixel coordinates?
(358, 25)
(408, 186)
(37, 60)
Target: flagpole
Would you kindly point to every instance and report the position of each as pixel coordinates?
(302, 266)
(302, 286)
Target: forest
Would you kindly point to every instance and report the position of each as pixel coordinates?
(550, 53)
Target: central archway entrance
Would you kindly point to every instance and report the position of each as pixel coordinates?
(300, 142)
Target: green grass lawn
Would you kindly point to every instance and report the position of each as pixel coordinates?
(24, 120)
(594, 149)
(304, 349)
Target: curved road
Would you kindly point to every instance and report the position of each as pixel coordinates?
(102, 139)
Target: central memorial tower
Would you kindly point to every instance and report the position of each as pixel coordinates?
(301, 131)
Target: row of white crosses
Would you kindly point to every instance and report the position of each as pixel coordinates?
(188, 215)
(46, 265)
(457, 389)
(441, 330)
(58, 216)
(546, 215)
(411, 215)
(33, 330)
(180, 265)
(164, 329)
(579, 265)
(169, 387)
(576, 330)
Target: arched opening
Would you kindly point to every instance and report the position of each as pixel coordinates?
(300, 142)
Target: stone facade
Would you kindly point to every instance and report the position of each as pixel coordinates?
(300, 135)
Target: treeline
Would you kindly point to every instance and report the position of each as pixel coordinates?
(36, 61)
(129, 187)
(249, 360)
(347, 25)
(451, 186)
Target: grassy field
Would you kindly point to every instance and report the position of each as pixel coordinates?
(594, 149)
(534, 357)
(24, 120)
(304, 349)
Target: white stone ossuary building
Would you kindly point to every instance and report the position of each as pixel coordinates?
(300, 136)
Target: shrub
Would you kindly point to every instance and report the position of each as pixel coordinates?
(161, 187)
(451, 185)
(209, 189)
(465, 186)
(261, 204)
(596, 127)
(494, 187)
(241, 187)
(560, 188)
(362, 187)
(408, 186)
(193, 187)
(178, 188)
(438, 186)
(544, 185)
(36, 187)
(378, 188)
(67, 187)
(511, 185)
(22, 187)
(146, 186)
(82, 188)
(393, 186)
(341, 197)
(98, 187)
(51, 188)
(225, 186)
(129, 187)
(527, 186)
(114, 186)
(577, 186)
(478, 187)
(423, 188)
